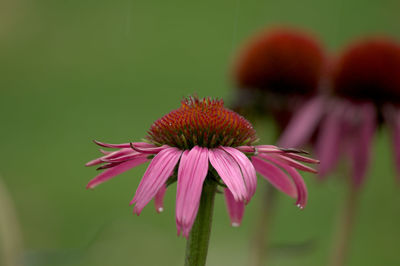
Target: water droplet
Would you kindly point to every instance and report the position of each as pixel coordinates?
(234, 224)
(160, 209)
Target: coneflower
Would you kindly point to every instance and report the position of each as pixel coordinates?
(365, 95)
(203, 146)
(276, 73)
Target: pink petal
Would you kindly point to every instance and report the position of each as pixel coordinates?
(235, 208)
(392, 117)
(330, 140)
(159, 199)
(116, 170)
(302, 158)
(275, 176)
(248, 171)
(290, 162)
(303, 124)
(160, 168)
(230, 173)
(302, 193)
(192, 172)
(262, 148)
(112, 155)
(361, 144)
(123, 145)
(148, 148)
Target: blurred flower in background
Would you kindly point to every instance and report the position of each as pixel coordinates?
(365, 94)
(365, 83)
(276, 71)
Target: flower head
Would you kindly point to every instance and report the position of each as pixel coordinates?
(283, 61)
(276, 69)
(369, 70)
(366, 92)
(202, 141)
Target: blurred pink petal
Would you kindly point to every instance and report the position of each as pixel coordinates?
(330, 140)
(392, 117)
(303, 123)
(362, 142)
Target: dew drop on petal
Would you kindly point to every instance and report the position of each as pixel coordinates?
(235, 224)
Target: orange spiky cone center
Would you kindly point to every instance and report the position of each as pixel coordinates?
(203, 122)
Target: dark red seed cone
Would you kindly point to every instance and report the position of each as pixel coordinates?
(281, 61)
(369, 70)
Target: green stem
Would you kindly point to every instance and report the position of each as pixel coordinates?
(10, 232)
(346, 225)
(197, 244)
(261, 233)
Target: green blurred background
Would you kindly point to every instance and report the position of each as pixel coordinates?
(73, 71)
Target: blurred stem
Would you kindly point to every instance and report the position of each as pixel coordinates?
(340, 249)
(10, 234)
(197, 244)
(261, 234)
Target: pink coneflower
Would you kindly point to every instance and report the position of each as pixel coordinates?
(366, 93)
(277, 70)
(203, 142)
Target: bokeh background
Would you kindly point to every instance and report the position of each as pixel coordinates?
(73, 71)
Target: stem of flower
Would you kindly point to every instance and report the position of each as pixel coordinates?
(197, 243)
(261, 234)
(10, 232)
(346, 225)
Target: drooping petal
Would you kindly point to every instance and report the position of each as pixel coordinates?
(116, 170)
(392, 117)
(275, 176)
(303, 124)
(192, 172)
(230, 173)
(160, 168)
(330, 140)
(159, 199)
(302, 193)
(361, 143)
(235, 208)
(248, 171)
